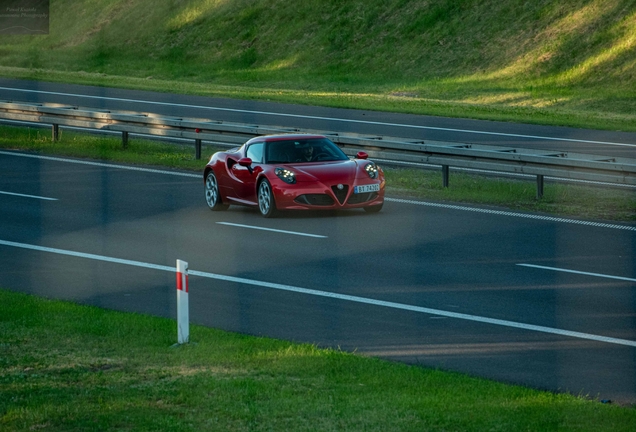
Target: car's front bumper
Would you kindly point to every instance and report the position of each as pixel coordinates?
(318, 196)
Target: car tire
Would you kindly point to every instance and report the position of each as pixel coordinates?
(374, 208)
(212, 193)
(266, 203)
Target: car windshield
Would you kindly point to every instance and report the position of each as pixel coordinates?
(304, 150)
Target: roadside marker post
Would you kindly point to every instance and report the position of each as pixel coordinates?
(183, 315)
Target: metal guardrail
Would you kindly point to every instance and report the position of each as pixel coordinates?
(495, 158)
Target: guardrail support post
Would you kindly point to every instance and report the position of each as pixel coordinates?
(197, 148)
(124, 139)
(539, 186)
(55, 132)
(183, 314)
(445, 175)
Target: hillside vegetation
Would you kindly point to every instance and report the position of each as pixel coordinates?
(546, 61)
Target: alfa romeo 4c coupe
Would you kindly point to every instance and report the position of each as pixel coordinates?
(292, 172)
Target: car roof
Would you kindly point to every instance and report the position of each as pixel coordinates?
(281, 137)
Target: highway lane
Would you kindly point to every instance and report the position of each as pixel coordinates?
(617, 144)
(398, 277)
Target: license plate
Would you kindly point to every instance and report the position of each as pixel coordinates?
(366, 188)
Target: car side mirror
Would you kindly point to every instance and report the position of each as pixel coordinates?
(247, 163)
(360, 155)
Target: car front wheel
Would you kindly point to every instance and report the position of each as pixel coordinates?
(266, 203)
(212, 195)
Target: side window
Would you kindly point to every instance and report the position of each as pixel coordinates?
(255, 152)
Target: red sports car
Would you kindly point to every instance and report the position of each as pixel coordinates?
(292, 172)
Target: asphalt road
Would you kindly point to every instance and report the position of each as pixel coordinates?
(606, 143)
(436, 285)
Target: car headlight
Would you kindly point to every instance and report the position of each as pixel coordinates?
(285, 175)
(372, 170)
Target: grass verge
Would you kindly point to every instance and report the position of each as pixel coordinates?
(587, 202)
(69, 367)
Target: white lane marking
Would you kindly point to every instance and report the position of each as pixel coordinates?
(578, 272)
(368, 122)
(397, 200)
(29, 196)
(271, 229)
(513, 214)
(101, 164)
(506, 174)
(331, 295)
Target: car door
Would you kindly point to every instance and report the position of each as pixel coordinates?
(246, 177)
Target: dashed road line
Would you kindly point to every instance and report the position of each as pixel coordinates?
(272, 230)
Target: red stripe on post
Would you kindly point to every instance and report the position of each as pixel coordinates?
(180, 281)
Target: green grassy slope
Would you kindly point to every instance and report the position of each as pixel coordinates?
(549, 61)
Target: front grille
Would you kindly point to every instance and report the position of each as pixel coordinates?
(341, 194)
(315, 199)
(363, 197)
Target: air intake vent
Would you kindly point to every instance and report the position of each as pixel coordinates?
(315, 199)
(341, 194)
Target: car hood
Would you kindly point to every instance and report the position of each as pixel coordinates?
(326, 172)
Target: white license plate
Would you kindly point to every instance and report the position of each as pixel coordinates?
(366, 188)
